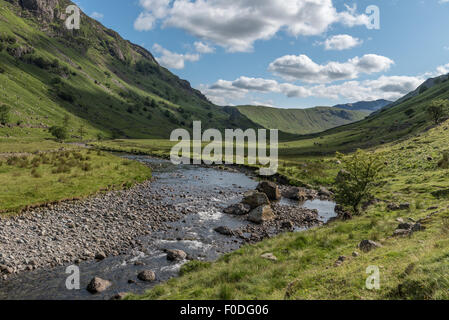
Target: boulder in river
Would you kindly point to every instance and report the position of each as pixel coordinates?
(270, 189)
(255, 199)
(295, 193)
(98, 285)
(146, 275)
(176, 255)
(224, 231)
(261, 214)
(239, 209)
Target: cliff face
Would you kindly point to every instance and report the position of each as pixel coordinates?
(44, 9)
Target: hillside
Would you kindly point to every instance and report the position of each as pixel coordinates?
(366, 106)
(300, 121)
(402, 119)
(90, 78)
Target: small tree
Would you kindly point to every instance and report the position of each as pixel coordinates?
(437, 110)
(60, 133)
(82, 131)
(5, 114)
(355, 182)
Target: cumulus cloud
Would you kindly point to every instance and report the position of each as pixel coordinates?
(236, 25)
(203, 47)
(442, 69)
(391, 88)
(341, 42)
(293, 68)
(173, 60)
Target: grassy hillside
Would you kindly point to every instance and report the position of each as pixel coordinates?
(412, 267)
(301, 121)
(92, 78)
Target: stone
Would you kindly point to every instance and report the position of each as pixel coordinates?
(100, 256)
(98, 285)
(405, 226)
(239, 209)
(261, 214)
(269, 256)
(295, 193)
(355, 254)
(146, 275)
(324, 192)
(270, 189)
(368, 245)
(119, 296)
(6, 269)
(418, 227)
(287, 225)
(255, 199)
(342, 258)
(224, 231)
(402, 232)
(176, 255)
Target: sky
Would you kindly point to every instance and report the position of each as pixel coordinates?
(289, 53)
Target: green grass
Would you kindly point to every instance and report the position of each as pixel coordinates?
(415, 267)
(38, 179)
(301, 121)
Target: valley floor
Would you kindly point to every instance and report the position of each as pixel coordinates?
(415, 266)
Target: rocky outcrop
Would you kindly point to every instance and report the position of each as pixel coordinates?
(42, 8)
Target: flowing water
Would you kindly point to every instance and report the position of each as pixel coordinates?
(209, 191)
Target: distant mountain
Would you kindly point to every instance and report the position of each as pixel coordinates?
(367, 106)
(301, 121)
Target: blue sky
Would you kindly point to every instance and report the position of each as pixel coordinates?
(290, 53)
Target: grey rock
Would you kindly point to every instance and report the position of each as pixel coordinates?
(255, 199)
(224, 231)
(261, 214)
(98, 285)
(368, 245)
(147, 275)
(270, 189)
(239, 209)
(176, 255)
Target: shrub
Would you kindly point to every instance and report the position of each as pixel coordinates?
(59, 133)
(437, 110)
(355, 182)
(444, 162)
(4, 114)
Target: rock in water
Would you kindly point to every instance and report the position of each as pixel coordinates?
(261, 214)
(368, 245)
(270, 189)
(239, 209)
(146, 275)
(224, 231)
(255, 199)
(176, 255)
(98, 285)
(295, 193)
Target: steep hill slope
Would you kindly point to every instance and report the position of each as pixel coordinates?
(366, 106)
(300, 121)
(90, 78)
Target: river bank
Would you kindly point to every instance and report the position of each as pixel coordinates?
(179, 209)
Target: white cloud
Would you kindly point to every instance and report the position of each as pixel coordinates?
(97, 15)
(302, 68)
(236, 25)
(442, 69)
(391, 88)
(173, 60)
(203, 47)
(341, 42)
